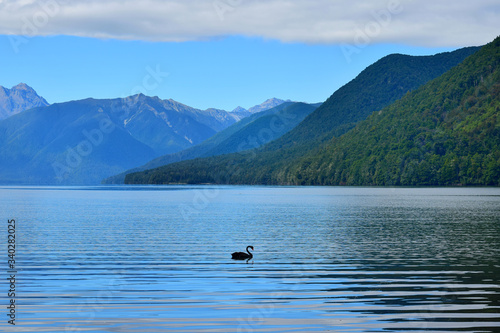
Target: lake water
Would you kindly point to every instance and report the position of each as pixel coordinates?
(326, 259)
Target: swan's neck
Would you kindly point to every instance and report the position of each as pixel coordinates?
(248, 251)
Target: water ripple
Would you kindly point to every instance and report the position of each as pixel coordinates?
(326, 259)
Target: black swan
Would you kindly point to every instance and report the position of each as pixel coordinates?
(242, 255)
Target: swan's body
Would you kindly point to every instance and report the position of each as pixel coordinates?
(242, 255)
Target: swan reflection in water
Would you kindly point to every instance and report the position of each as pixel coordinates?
(242, 255)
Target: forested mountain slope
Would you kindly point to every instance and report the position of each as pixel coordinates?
(445, 133)
(380, 84)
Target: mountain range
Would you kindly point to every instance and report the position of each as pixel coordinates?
(17, 99)
(404, 120)
(82, 142)
(372, 131)
(251, 132)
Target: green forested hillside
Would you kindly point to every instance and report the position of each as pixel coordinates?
(379, 85)
(431, 132)
(446, 133)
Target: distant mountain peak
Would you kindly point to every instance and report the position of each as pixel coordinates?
(22, 86)
(18, 99)
(268, 104)
(239, 109)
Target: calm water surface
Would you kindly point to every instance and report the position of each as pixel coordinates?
(157, 259)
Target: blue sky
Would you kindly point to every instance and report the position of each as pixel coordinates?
(220, 53)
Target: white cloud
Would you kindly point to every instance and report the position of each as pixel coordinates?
(423, 22)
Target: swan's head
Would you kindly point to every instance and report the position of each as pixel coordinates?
(250, 247)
